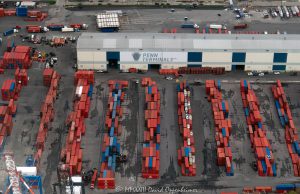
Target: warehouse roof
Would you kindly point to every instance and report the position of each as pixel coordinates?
(182, 41)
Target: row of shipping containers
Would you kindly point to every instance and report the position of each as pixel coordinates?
(286, 120)
(111, 150)
(50, 79)
(7, 112)
(186, 153)
(18, 57)
(222, 125)
(71, 154)
(260, 144)
(193, 70)
(33, 15)
(151, 145)
(10, 92)
(202, 70)
(280, 188)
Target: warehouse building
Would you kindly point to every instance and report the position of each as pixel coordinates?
(100, 51)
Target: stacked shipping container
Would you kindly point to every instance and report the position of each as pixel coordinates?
(33, 15)
(186, 153)
(260, 144)
(6, 123)
(51, 79)
(19, 57)
(151, 145)
(11, 88)
(286, 120)
(111, 147)
(71, 154)
(202, 70)
(222, 125)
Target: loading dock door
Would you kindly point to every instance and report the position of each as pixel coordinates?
(238, 68)
(154, 66)
(279, 67)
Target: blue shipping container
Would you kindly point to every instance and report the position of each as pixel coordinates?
(285, 187)
(150, 162)
(264, 165)
(104, 173)
(187, 25)
(12, 86)
(296, 147)
(111, 132)
(274, 169)
(21, 11)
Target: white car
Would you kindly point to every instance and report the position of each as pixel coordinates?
(261, 74)
(169, 78)
(250, 73)
(276, 73)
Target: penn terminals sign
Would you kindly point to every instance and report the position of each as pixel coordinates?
(154, 57)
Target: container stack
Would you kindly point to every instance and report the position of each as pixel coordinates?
(11, 88)
(21, 77)
(286, 120)
(19, 57)
(186, 153)
(168, 72)
(23, 11)
(8, 89)
(71, 154)
(113, 129)
(257, 132)
(222, 125)
(151, 145)
(6, 122)
(46, 112)
(201, 70)
(86, 75)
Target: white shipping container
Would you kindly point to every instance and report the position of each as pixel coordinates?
(28, 4)
(27, 171)
(216, 26)
(79, 90)
(66, 29)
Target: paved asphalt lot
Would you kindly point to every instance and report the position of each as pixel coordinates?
(210, 178)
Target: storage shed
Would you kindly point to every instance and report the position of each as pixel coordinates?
(266, 52)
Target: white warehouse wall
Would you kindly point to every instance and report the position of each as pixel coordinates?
(256, 67)
(293, 67)
(125, 67)
(259, 57)
(293, 58)
(216, 57)
(172, 66)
